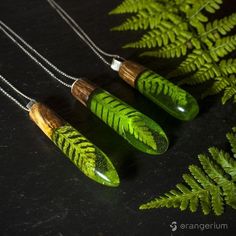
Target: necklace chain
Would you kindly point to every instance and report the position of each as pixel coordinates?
(81, 33)
(24, 107)
(29, 51)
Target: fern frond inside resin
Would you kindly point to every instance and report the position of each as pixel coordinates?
(139, 130)
(85, 155)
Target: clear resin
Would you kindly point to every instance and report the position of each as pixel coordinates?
(85, 155)
(170, 97)
(139, 130)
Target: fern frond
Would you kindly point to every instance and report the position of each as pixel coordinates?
(174, 29)
(213, 185)
(194, 60)
(230, 92)
(219, 85)
(221, 26)
(208, 5)
(224, 160)
(139, 130)
(206, 72)
(228, 66)
(217, 175)
(143, 20)
(223, 47)
(163, 34)
(232, 140)
(133, 6)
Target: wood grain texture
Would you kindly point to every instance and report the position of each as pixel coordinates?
(129, 72)
(45, 118)
(82, 89)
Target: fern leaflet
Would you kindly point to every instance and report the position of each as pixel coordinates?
(213, 185)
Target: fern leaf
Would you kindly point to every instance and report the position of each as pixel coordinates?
(178, 28)
(212, 186)
(223, 47)
(194, 60)
(232, 140)
(142, 21)
(221, 26)
(224, 160)
(217, 87)
(133, 6)
(137, 129)
(230, 92)
(177, 49)
(206, 72)
(152, 85)
(164, 33)
(228, 66)
(195, 14)
(217, 175)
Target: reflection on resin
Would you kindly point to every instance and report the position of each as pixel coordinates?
(139, 130)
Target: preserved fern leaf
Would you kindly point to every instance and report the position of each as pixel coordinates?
(139, 130)
(213, 185)
(170, 97)
(85, 155)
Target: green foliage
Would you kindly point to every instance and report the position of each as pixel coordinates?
(211, 186)
(136, 128)
(155, 85)
(180, 28)
(85, 155)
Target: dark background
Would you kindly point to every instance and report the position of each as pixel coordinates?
(41, 192)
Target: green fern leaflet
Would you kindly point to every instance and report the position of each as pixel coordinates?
(170, 97)
(85, 155)
(139, 130)
(210, 187)
(181, 29)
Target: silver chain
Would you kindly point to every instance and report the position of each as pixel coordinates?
(81, 33)
(26, 48)
(24, 107)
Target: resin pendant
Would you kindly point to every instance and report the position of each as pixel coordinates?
(162, 92)
(139, 130)
(85, 155)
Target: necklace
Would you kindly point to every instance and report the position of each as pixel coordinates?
(138, 129)
(85, 155)
(159, 90)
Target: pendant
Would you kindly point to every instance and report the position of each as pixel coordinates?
(138, 129)
(85, 155)
(161, 91)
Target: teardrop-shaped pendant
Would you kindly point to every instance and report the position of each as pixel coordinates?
(162, 92)
(138, 129)
(85, 155)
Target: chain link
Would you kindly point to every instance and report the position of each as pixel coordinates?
(24, 107)
(81, 33)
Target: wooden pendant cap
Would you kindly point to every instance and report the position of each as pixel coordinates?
(129, 72)
(82, 89)
(45, 118)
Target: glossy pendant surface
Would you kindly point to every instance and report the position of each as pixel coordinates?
(85, 155)
(162, 92)
(138, 129)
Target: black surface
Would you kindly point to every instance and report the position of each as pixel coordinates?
(41, 192)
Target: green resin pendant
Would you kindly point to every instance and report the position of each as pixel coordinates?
(85, 155)
(162, 92)
(139, 130)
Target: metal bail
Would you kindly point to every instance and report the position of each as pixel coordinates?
(30, 104)
(116, 64)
